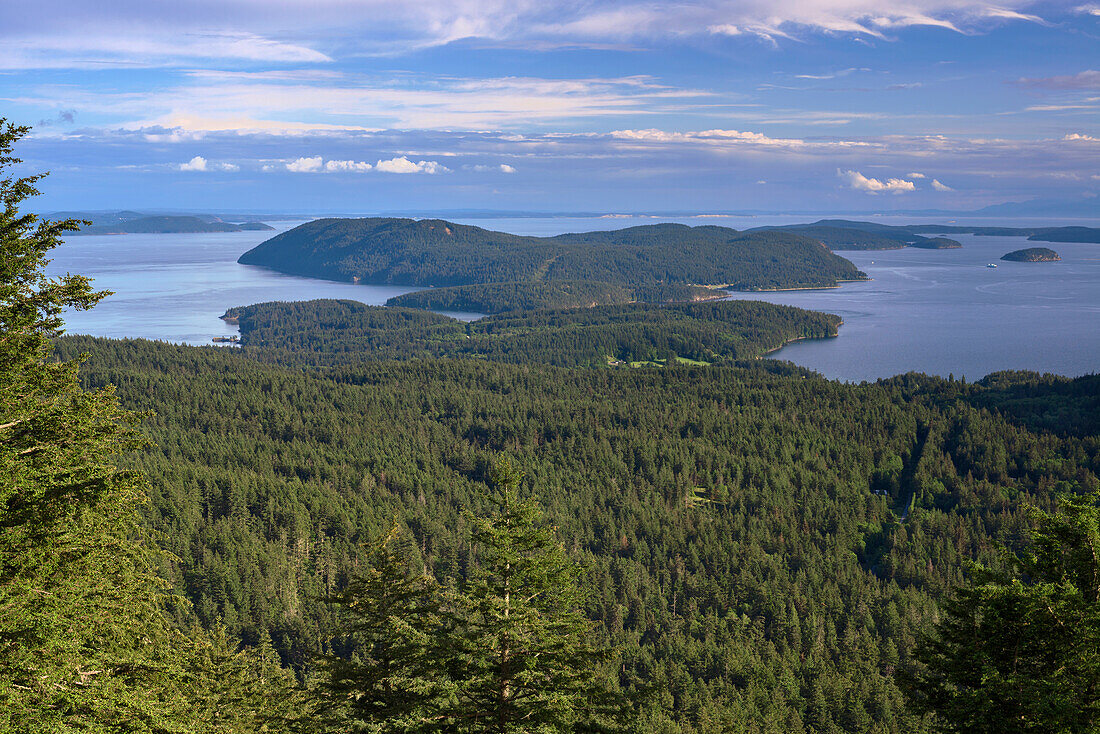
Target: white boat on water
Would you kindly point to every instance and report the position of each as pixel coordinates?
(991, 265)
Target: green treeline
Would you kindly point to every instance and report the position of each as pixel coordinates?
(337, 332)
(433, 252)
(741, 528)
(501, 297)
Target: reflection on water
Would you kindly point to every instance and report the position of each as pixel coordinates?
(936, 311)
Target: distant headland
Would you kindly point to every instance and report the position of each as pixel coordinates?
(170, 225)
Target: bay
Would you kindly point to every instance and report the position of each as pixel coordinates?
(174, 287)
(935, 311)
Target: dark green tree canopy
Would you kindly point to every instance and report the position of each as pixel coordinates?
(1019, 650)
(525, 658)
(391, 677)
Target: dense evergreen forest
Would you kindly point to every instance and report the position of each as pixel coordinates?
(490, 298)
(763, 546)
(342, 332)
(432, 252)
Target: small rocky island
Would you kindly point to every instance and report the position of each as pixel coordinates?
(1032, 255)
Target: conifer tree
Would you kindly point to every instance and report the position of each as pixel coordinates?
(238, 690)
(1019, 651)
(524, 657)
(83, 641)
(392, 677)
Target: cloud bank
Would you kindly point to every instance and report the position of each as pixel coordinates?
(317, 164)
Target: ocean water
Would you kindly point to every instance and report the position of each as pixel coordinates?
(935, 311)
(174, 287)
(944, 312)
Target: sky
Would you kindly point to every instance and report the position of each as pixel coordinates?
(366, 106)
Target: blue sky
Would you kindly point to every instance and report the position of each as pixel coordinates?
(361, 106)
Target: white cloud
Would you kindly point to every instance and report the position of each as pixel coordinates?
(305, 165)
(502, 168)
(915, 175)
(1073, 137)
(940, 187)
(832, 74)
(347, 166)
(859, 182)
(1005, 14)
(404, 165)
(198, 163)
(1059, 107)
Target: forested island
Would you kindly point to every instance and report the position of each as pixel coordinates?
(1032, 255)
(332, 332)
(434, 252)
(165, 224)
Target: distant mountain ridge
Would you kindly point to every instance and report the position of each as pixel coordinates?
(434, 252)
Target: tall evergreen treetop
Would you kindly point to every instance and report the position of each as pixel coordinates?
(391, 678)
(526, 659)
(83, 642)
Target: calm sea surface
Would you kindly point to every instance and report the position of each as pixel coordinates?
(935, 311)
